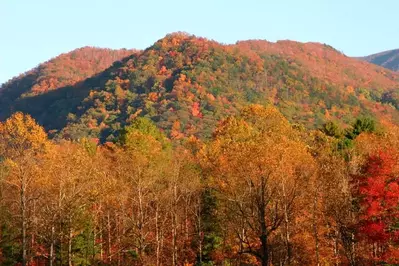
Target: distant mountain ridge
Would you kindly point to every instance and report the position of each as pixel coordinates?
(67, 69)
(186, 84)
(388, 59)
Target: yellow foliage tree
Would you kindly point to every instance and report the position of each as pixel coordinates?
(258, 165)
(21, 142)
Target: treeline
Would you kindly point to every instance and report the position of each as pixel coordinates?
(262, 191)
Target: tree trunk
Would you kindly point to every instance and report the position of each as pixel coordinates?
(264, 250)
(186, 217)
(287, 239)
(109, 237)
(162, 242)
(336, 247)
(51, 255)
(23, 217)
(33, 228)
(141, 223)
(157, 235)
(315, 229)
(263, 227)
(70, 246)
(61, 246)
(353, 248)
(118, 233)
(174, 226)
(200, 233)
(287, 259)
(101, 243)
(61, 221)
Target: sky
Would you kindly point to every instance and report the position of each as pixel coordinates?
(34, 31)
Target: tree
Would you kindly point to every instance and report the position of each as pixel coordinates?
(20, 134)
(183, 190)
(258, 167)
(142, 162)
(365, 124)
(21, 143)
(337, 216)
(378, 199)
(70, 194)
(331, 129)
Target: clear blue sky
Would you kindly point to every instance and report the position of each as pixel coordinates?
(33, 31)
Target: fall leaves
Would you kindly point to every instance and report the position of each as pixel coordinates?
(20, 134)
(377, 191)
(187, 84)
(261, 192)
(76, 203)
(258, 167)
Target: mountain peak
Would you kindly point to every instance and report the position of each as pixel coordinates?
(66, 69)
(186, 84)
(388, 59)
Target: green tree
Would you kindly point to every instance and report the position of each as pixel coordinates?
(332, 129)
(361, 125)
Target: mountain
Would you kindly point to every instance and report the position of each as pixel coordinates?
(65, 70)
(387, 59)
(186, 84)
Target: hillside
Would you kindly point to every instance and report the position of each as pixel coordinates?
(64, 71)
(187, 84)
(326, 63)
(387, 59)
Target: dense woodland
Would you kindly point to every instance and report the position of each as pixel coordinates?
(187, 84)
(192, 152)
(261, 191)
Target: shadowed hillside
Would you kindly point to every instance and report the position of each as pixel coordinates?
(64, 70)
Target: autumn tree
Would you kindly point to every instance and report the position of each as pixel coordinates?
(69, 195)
(334, 214)
(377, 192)
(22, 141)
(258, 168)
(141, 163)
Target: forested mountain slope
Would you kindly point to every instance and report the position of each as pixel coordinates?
(187, 84)
(64, 71)
(187, 171)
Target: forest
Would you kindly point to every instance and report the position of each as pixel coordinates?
(261, 190)
(187, 84)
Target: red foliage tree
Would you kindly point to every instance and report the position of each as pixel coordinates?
(378, 195)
